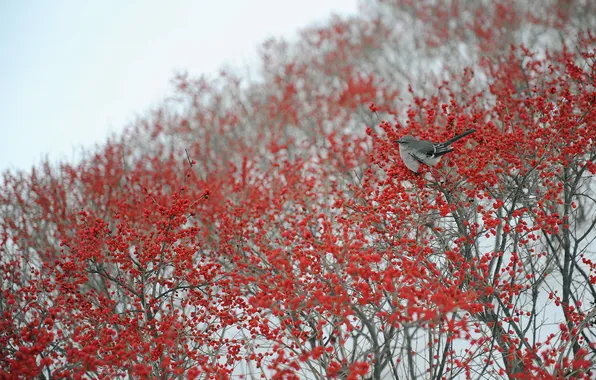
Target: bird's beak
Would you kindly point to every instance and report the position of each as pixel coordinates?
(398, 141)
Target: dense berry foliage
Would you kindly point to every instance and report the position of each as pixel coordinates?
(268, 229)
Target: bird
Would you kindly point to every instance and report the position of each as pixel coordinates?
(414, 151)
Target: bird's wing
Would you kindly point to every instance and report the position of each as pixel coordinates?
(441, 149)
(425, 150)
(423, 147)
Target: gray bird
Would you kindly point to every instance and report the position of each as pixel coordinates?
(414, 152)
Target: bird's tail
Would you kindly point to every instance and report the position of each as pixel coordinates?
(461, 136)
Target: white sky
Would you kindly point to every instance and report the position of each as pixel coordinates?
(74, 71)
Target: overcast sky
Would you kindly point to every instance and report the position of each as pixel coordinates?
(74, 71)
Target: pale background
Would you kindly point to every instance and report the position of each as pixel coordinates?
(71, 72)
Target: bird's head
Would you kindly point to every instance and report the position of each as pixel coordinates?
(406, 140)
